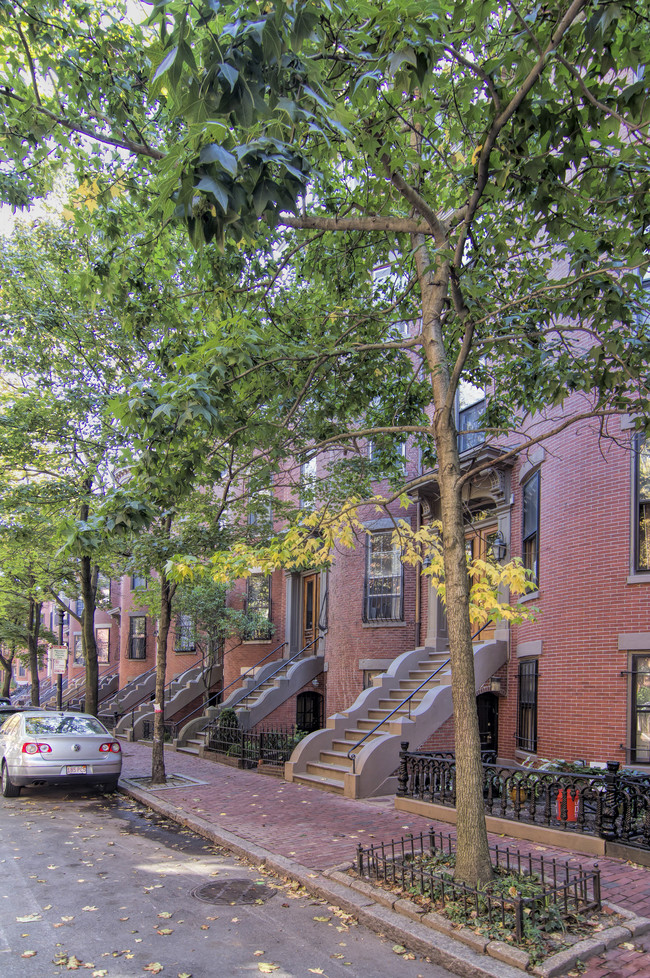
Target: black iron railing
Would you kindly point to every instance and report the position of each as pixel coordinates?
(412, 864)
(254, 747)
(609, 804)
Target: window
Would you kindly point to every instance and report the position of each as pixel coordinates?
(471, 407)
(137, 638)
(307, 482)
(531, 526)
(258, 602)
(104, 588)
(138, 580)
(642, 504)
(383, 599)
(79, 607)
(369, 675)
(185, 634)
(640, 712)
(527, 706)
(77, 649)
(102, 640)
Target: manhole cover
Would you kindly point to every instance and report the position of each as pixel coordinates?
(233, 892)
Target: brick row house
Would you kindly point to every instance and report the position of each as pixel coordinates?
(346, 646)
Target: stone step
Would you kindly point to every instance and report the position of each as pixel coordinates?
(337, 759)
(322, 770)
(315, 781)
(186, 749)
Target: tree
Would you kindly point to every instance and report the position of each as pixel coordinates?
(496, 156)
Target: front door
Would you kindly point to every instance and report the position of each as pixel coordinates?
(310, 609)
(478, 545)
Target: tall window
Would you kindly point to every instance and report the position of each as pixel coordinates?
(102, 639)
(642, 504)
(138, 637)
(527, 706)
(308, 471)
(138, 580)
(77, 649)
(471, 407)
(383, 599)
(185, 634)
(640, 712)
(258, 601)
(531, 526)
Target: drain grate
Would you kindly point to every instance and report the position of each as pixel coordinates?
(233, 892)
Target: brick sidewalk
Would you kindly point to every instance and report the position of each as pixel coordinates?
(321, 830)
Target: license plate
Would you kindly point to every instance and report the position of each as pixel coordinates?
(75, 769)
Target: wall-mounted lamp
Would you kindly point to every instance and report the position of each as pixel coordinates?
(499, 546)
(495, 685)
(315, 682)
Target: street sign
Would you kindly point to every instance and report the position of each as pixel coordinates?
(59, 659)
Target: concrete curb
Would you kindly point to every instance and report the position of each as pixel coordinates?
(459, 950)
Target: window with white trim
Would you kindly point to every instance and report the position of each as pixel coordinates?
(384, 584)
(642, 504)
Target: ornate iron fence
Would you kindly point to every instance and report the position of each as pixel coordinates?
(563, 888)
(611, 804)
(253, 747)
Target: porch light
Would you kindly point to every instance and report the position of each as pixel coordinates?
(499, 546)
(495, 685)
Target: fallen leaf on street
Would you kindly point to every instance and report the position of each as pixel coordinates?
(154, 967)
(399, 949)
(73, 963)
(323, 920)
(266, 967)
(28, 954)
(29, 918)
(164, 931)
(89, 909)
(164, 913)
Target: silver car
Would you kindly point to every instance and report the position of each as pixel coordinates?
(43, 748)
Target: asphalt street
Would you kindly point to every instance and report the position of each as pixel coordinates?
(102, 885)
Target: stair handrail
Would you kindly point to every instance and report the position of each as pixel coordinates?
(219, 694)
(132, 684)
(352, 756)
(281, 665)
(80, 681)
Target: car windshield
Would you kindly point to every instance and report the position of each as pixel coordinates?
(63, 725)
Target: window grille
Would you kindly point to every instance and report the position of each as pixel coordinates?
(527, 706)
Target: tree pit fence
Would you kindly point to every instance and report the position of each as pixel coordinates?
(414, 864)
(253, 748)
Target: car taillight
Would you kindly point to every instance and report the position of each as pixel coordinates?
(113, 747)
(37, 749)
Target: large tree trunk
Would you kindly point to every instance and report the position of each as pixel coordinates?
(473, 863)
(167, 591)
(6, 663)
(34, 628)
(89, 576)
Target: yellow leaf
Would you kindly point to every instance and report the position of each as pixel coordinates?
(476, 154)
(316, 971)
(266, 967)
(154, 967)
(28, 954)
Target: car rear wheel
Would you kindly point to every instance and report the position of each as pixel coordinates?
(108, 787)
(9, 789)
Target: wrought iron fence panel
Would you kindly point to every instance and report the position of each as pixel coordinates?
(606, 803)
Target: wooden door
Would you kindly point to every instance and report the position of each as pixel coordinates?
(310, 609)
(478, 544)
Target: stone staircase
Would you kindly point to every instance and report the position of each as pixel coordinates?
(261, 693)
(106, 686)
(179, 693)
(130, 696)
(322, 759)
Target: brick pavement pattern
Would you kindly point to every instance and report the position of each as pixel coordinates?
(321, 830)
